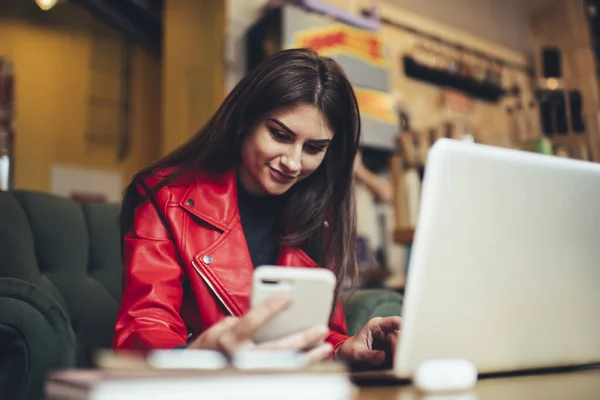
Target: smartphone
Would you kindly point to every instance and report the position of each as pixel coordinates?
(312, 291)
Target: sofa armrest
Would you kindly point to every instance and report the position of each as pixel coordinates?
(35, 338)
(364, 305)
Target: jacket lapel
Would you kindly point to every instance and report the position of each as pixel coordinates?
(212, 199)
(227, 267)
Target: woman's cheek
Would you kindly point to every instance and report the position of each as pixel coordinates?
(311, 164)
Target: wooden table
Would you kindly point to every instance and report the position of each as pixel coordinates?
(582, 385)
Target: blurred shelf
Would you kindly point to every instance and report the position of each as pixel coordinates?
(479, 89)
(373, 274)
(404, 236)
(568, 139)
(376, 278)
(396, 283)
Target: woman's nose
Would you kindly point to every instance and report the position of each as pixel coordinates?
(292, 160)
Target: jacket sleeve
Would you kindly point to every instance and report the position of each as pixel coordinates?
(148, 316)
(338, 332)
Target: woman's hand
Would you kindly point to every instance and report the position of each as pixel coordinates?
(233, 334)
(374, 344)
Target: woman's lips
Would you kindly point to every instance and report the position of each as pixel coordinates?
(280, 176)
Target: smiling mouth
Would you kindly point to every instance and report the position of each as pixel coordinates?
(280, 175)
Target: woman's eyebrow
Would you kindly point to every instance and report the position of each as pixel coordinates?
(283, 126)
(291, 132)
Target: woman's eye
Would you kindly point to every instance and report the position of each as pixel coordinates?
(278, 135)
(312, 149)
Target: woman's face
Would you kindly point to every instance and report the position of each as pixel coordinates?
(284, 148)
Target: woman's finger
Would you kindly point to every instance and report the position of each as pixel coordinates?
(387, 324)
(239, 336)
(392, 338)
(225, 324)
(320, 353)
(258, 316)
(209, 339)
(228, 344)
(298, 341)
(373, 357)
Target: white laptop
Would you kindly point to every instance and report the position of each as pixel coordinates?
(505, 264)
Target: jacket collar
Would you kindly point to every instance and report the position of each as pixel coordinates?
(213, 198)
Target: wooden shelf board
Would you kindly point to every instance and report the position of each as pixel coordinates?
(404, 236)
(373, 274)
(396, 283)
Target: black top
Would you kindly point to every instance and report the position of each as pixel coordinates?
(260, 221)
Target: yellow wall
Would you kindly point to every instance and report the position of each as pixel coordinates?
(193, 80)
(51, 53)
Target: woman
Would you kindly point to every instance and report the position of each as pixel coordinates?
(268, 180)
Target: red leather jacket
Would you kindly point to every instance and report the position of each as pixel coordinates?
(166, 304)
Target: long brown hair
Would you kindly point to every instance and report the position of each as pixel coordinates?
(319, 214)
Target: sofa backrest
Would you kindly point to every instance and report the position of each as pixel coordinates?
(70, 250)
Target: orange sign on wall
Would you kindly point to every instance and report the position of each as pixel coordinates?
(343, 39)
(376, 105)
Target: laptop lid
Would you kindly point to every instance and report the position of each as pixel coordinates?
(505, 264)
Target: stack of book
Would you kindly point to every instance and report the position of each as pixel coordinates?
(193, 374)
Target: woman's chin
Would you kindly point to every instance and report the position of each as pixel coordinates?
(273, 188)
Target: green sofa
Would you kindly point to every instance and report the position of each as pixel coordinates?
(60, 284)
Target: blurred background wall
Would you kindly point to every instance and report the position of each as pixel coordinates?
(68, 67)
(103, 88)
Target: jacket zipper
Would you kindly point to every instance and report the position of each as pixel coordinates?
(210, 286)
